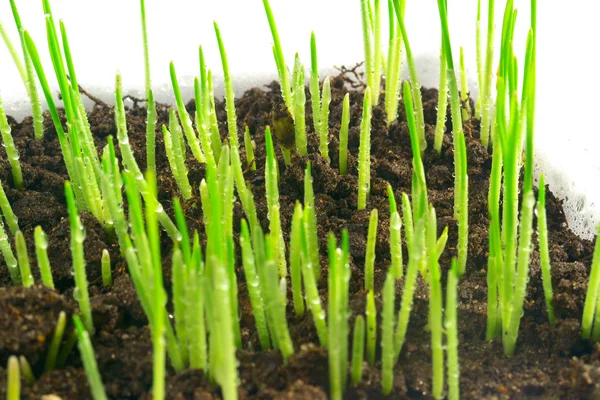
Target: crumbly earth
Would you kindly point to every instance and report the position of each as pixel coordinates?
(551, 362)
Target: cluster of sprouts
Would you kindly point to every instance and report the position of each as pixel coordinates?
(206, 329)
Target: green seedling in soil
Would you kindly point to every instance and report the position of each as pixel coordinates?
(26, 370)
(412, 69)
(364, 152)
(370, 251)
(175, 149)
(485, 89)
(249, 147)
(542, 225)
(13, 379)
(23, 258)
(358, 349)
(11, 151)
(371, 28)
(130, 163)
(25, 71)
(229, 94)
(442, 107)
(461, 198)
(272, 194)
(296, 259)
(41, 252)
(451, 327)
(89, 360)
(55, 342)
(209, 139)
(387, 334)
(435, 307)
(151, 105)
(324, 120)
(395, 236)
(9, 257)
(337, 327)
(310, 216)
(394, 64)
(254, 288)
(81, 293)
(184, 117)
(299, 107)
(343, 150)
(479, 60)
(105, 267)
(590, 311)
(6, 211)
(312, 291)
(371, 313)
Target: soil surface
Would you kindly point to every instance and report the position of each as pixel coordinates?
(549, 363)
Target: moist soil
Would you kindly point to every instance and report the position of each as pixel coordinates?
(550, 362)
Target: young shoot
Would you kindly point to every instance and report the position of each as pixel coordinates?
(81, 283)
(6, 211)
(358, 349)
(106, 270)
(41, 252)
(89, 360)
(296, 259)
(11, 150)
(371, 313)
(544, 251)
(9, 257)
(387, 334)
(370, 251)
(23, 257)
(364, 152)
(440, 125)
(151, 105)
(55, 343)
(394, 64)
(26, 72)
(13, 379)
(395, 236)
(450, 324)
(343, 150)
(590, 310)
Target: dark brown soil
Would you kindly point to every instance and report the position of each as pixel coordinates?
(550, 362)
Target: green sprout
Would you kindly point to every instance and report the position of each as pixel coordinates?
(81, 283)
(440, 125)
(296, 259)
(479, 60)
(412, 69)
(23, 258)
(26, 370)
(299, 107)
(254, 288)
(338, 281)
(55, 342)
(11, 151)
(229, 94)
(105, 268)
(461, 209)
(435, 307)
(26, 71)
(89, 360)
(371, 313)
(13, 379)
(343, 150)
(590, 311)
(485, 89)
(272, 187)
(358, 349)
(9, 257)
(387, 334)
(310, 217)
(151, 105)
(175, 149)
(395, 236)
(282, 69)
(370, 251)
(6, 210)
(324, 120)
(544, 251)
(249, 146)
(364, 152)
(184, 117)
(371, 24)
(205, 116)
(312, 291)
(451, 327)
(394, 64)
(41, 252)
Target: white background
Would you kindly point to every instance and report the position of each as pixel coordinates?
(106, 36)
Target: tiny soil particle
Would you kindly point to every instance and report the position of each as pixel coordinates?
(550, 362)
